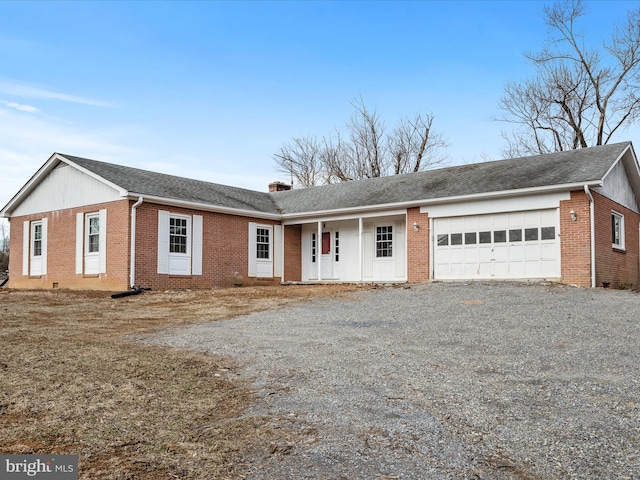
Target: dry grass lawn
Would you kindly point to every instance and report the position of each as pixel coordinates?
(71, 383)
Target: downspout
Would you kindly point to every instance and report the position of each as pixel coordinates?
(132, 267)
(593, 236)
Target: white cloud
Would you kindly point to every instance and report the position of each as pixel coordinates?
(10, 87)
(23, 108)
(27, 141)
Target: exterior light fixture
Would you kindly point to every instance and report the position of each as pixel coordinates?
(416, 228)
(574, 217)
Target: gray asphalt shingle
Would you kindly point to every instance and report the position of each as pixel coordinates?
(571, 167)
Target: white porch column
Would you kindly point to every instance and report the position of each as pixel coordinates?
(360, 230)
(319, 251)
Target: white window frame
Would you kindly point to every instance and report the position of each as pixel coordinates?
(617, 220)
(87, 238)
(264, 267)
(187, 236)
(34, 227)
(35, 265)
(91, 263)
(376, 241)
(261, 233)
(180, 263)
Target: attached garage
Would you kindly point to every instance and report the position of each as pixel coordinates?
(510, 245)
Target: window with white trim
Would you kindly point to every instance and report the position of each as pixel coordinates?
(178, 235)
(93, 233)
(36, 239)
(91, 242)
(263, 243)
(179, 243)
(384, 241)
(617, 230)
(34, 247)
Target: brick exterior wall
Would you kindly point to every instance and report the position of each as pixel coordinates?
(417, 246)
(617, 267)
(293, 253)
(225, 251)
(575, 240)
(61, 250)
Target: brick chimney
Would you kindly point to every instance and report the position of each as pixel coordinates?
(278, 186)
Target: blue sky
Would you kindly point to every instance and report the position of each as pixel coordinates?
(211, 90)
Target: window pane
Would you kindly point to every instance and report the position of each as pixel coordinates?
(37, 240)
(548, 233)
(485, 237)
(177, 235)
(500, 236)
(313, 247)
(93, 234)
(515, 235)
(617, 229)
(530, 234)
(326, 243)
(262, 243)
(456, 239)
(443, 239)
(470, 238)
(384, 241)
(94, 243)
(94, 225)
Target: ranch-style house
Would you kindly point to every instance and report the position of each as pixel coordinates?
(571, 217)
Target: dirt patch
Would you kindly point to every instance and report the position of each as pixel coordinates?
(72, 384)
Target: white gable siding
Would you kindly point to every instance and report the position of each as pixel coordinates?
(617, 187)
(65, 187)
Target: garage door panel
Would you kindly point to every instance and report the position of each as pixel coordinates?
(516, 252)
(505, 245)
(532, 251)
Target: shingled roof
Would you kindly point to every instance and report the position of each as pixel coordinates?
(556, 170)
(583, 166)
(144, 182)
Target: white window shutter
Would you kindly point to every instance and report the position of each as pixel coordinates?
(45, 229)
(163, 241)
(277, 250)
(102, 239)
(79, 242)
(253, 265)
(26, 251)
(196, 253)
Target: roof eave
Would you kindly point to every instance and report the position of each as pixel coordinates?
(444, 200)
(205, 207)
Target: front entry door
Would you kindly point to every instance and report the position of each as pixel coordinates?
(330, 257)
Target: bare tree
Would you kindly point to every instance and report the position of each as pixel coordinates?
(414, 143)
(368, 151)
(301, 159)
(580, 96)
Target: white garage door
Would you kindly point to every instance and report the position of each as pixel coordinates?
(501, 246)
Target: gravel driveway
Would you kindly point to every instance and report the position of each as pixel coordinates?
(444, 381)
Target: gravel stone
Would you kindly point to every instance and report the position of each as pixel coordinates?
(477, 380)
